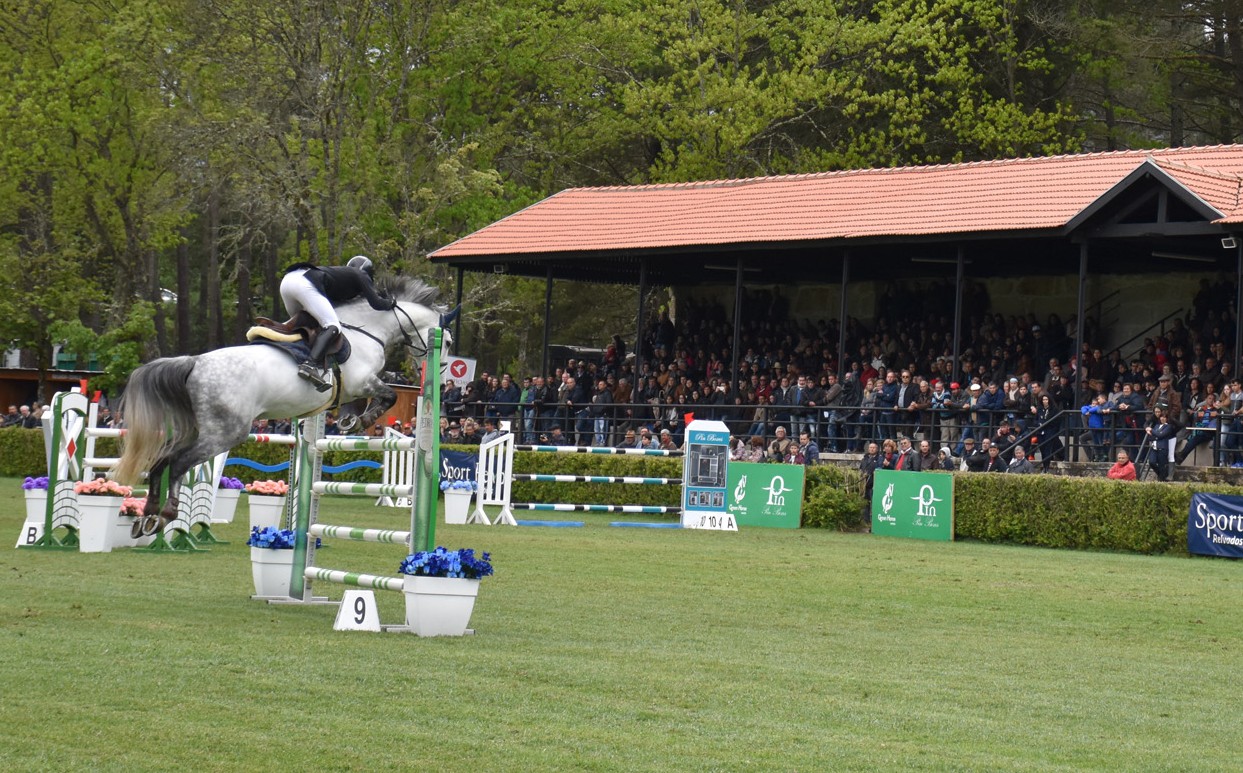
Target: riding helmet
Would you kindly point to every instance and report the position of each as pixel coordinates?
(362, 263)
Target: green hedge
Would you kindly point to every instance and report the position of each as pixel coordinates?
(1080, 513)
(597, 493)
(21, 452)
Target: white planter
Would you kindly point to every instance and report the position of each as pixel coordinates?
(457, 505)
(225, 506)
(266, 511)
(36, 515)
(122, 527)
(96, 516)
(271, 570)
(439, 606)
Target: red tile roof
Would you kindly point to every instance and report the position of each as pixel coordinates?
(1010, 195)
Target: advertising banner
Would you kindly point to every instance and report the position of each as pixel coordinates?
(459, 370)
(457, 465)
(765, 494)
(1215, 526)
(913, 504)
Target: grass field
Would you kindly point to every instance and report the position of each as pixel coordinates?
(627, 650)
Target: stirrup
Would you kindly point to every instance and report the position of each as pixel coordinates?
(317, 376)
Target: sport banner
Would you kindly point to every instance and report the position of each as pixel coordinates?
(765, 494)
(913, 504)
(1215, 526)
(457, 465)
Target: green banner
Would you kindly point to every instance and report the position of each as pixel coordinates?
(913, 504)
(765, 494)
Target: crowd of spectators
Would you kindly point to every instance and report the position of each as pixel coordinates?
(1014, 387)
(23, 416)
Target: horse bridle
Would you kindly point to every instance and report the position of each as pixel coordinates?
(406, 340)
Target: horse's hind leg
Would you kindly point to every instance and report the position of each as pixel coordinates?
(207, 445)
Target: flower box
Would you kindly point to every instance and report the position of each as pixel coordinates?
(271, 561)
(439, 606)
(458, 494)
(96, 516)
(457, 505)
(440, 588)
(266, 511)
(225, 506)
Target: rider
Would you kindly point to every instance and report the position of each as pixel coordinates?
(316, 290)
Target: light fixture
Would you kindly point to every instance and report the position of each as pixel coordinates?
(732, 268)
(1228, 243)
(1180, 256)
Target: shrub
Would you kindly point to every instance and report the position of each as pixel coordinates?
(833, 498)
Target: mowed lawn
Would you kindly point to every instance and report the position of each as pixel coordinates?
(628, 649)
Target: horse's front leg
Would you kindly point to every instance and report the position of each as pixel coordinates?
(381, 399)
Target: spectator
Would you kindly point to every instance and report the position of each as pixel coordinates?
(1097, 414)
(1205, 428)
(808, 451)
(629, 440)
(779, 449)
(1020, 464)
(907, 458)
(453, 435)
(945, 460)
(555, 437)
(1122, 469)
(667, 444)
(1161, 433)
(868, 465)
(927, 458)
(505, 399)
(995, 463)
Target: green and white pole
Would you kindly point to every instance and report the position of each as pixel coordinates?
(427, 455)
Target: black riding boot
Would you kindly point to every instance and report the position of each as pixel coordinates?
(315, 369)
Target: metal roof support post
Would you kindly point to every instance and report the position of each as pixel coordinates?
(962, 254)
(841, 326)
(1238, 303)
(733, 380)
(1079, 311)
(547, 316)
(457, 322)
(638, 325)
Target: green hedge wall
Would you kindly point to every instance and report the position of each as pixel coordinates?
(21, 452)
(1081, 513)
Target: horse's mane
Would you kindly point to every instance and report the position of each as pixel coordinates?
(408, 289)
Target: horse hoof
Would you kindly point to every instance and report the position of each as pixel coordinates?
(135, 531)
(147, 526)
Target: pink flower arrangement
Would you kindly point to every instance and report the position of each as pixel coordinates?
(271, 488)
(102, 487)
(133, 506)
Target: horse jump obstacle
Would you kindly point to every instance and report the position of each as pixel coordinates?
(422, 492)
(496, 475)
(70, 432)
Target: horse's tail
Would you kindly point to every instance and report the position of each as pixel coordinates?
(157, 415)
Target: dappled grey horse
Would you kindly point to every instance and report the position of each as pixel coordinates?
(181, 411)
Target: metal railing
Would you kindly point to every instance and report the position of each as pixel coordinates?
(847, 429)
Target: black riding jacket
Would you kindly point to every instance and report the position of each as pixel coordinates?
(340, 284)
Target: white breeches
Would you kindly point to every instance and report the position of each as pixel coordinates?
(298, 294)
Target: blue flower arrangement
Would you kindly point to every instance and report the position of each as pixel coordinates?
(31, 484)
(269, 537)
(447, 563)
(458, 485)
(231, 483)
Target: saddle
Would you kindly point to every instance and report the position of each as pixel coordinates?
(296, 337)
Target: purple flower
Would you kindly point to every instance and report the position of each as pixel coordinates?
(35, 483)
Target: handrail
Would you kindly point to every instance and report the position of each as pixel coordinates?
(1088, 312)
(1144, 332)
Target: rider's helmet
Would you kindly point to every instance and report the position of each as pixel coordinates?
(362, 263)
